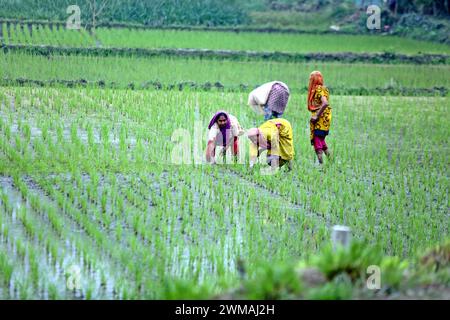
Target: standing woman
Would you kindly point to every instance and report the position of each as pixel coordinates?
(320, 109)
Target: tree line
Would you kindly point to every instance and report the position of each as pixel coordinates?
(198, 12)
(153, 13)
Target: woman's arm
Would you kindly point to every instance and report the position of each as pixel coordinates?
(254, 154)
(320, 111)
(210, 151)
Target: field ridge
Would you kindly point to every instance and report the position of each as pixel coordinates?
(349, 57)
(130, 25)
(218, 86)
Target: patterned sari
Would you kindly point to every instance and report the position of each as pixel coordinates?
(322, 127)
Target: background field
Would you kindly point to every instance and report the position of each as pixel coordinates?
(249, 41)
(231, 74)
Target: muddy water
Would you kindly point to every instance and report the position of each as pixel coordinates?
(56, 271)
(82, 135)
(184, 258)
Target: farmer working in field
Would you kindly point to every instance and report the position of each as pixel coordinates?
(224, 130)
(320, 109)
(270, 98)
(275, 136)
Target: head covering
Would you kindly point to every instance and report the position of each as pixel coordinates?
(315, 79)
(223, 130)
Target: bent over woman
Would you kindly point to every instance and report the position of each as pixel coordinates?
(224, 130)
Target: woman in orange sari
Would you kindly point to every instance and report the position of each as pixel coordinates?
(320, 109)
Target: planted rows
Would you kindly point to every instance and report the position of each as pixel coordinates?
(217, 40)
(194, 73)
(87, 180)
(344, 57)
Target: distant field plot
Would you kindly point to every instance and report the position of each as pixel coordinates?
(264, 42)
(88, 181)
(217, 40)
(231, 74)
(38, 35)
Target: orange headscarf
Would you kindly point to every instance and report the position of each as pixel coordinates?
(315, 79)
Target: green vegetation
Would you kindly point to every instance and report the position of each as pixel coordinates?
(231, 74)
(104, 190)
(156, 12)
(40, 34)
(102, 159)
(345, 274)
(216, 40)
(264, 42)
(6, 269)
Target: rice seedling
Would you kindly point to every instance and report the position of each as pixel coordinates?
(53, 292)
(6, 268)
(24, 289)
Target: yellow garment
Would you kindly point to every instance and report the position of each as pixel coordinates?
(280, 140)
(322, 126)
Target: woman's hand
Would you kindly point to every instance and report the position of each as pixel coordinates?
(252, 162)
(314, 119)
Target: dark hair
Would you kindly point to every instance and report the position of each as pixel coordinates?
(221, 114)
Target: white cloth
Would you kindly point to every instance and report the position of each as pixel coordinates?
(235, 131)
(257, 99)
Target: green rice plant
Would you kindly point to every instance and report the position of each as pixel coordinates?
(53, 292)
(394, 272)
(175, 289)
(24, 289)
(26, 221)
(352, 262)
(334, 290)
(6, 202)
(20, 247)
(6, 268)
(34, 267)
(89, 293)
(56, 222)
(278, 281)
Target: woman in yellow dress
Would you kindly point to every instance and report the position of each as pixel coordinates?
(276, 137)
(320, 109)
